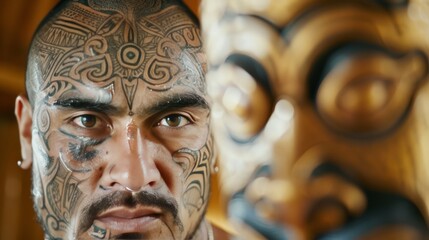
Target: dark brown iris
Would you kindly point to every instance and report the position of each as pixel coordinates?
(173, 120)
(88, 121)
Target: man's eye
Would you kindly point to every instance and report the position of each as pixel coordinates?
(174, 120)
(86, 121)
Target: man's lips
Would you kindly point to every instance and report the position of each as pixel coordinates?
(125, 212)
(123, 219)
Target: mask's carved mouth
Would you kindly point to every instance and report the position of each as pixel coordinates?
(381, 210)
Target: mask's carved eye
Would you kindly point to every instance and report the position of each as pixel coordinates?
(368, 93)
(365, 96)
(246, 104)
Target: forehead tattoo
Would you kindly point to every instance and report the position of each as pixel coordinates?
(118, 42)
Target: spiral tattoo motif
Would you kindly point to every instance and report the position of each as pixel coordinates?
(96, 45)
(44, 121)
(130, 56)
(96, 63)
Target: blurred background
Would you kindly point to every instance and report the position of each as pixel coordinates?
(18, 20)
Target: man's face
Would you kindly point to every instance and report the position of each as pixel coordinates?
(120, 137)
(331, 95)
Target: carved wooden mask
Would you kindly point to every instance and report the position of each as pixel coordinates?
(332, 96)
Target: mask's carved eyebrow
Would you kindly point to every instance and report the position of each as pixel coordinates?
(86, 104)
(176, 101)
(254, 68)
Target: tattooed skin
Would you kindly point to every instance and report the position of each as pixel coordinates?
(120, 117)
(196, 168)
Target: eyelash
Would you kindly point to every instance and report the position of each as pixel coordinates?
(79, 120)
(163, 121)
(99, 123)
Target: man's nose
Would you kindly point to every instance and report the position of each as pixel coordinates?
(131, 165)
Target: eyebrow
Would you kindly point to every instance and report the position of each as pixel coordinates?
(86, 104)
(177, 101)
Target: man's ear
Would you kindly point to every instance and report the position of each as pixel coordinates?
(24, 116)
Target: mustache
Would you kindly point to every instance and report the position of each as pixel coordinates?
(130, 200)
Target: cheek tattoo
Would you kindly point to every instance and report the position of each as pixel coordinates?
(196, 167)
(81, 151)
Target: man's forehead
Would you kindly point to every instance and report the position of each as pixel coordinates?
(81, 21)
(77, 23)
(98, 46)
